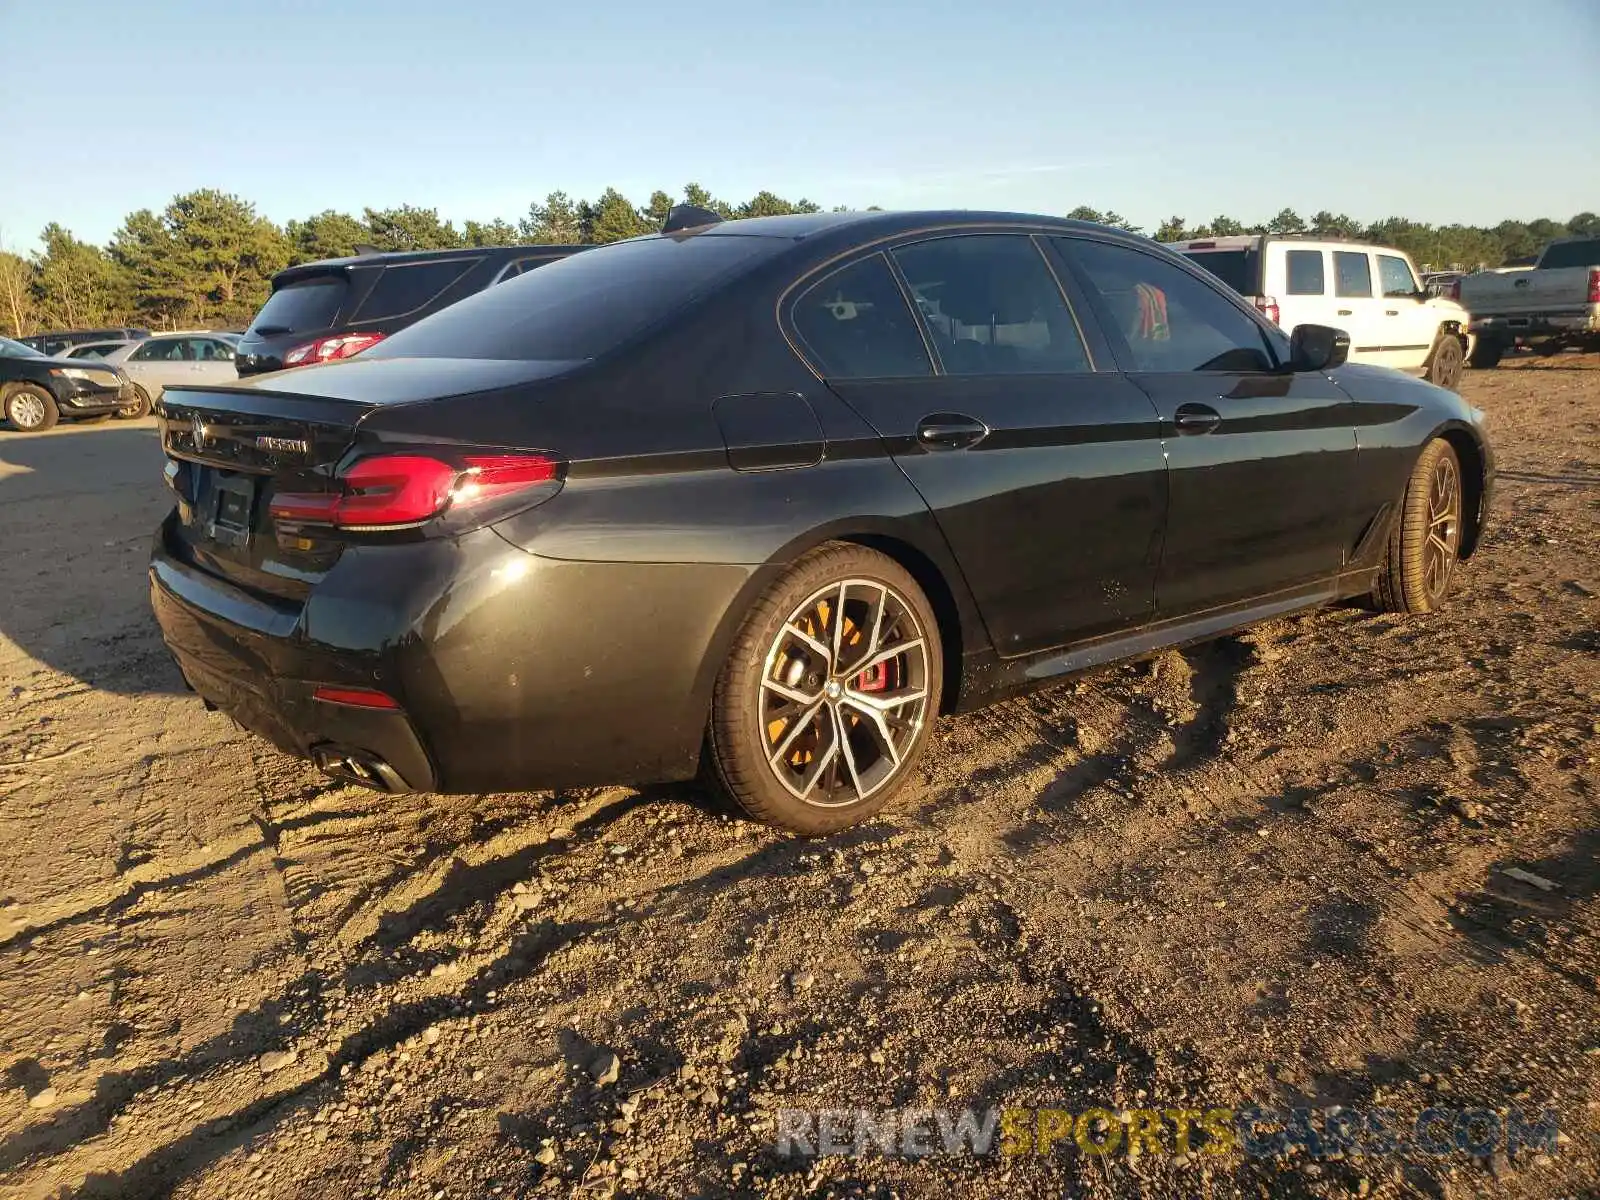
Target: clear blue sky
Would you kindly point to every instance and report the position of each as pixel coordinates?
(1462, 110)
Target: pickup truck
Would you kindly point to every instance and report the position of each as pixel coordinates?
(1556, 303)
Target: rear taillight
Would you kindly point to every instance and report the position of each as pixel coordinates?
(330, 349)
(1594, 285)
(403, 491)
(1267, 306)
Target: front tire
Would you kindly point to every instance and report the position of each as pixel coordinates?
(31, 409)
(1445, 363)
(829, 695)
(1425, 542)
(140, 406)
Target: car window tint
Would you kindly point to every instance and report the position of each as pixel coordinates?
(855, 324)
(1170, 320)
(1239, 269)
(304, 305)
(1394, 274)
(405, 288)
(158, 350)
(213, 350)
(991, 306)
(1352, 274)
(1305, 271)
(581, 306)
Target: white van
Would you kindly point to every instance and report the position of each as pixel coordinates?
(1370, 292)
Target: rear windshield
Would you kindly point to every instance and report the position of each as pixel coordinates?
(301, 306)
(1236, 268)
(1572, 254)
(581, 306)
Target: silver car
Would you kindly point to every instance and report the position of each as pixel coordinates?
(157, 363)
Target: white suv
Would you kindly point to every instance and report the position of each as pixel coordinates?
(1370, 292)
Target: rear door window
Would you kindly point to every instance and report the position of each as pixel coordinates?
(1305, 271)
(855, 324)
(581, 306)
(406, 287)
(992, 306)
(302, 306)
(1352, 274)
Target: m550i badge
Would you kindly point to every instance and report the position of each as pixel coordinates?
(283, 445)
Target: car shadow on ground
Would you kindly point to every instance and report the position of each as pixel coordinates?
(82, 502)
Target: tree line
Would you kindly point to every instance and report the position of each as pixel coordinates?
(208, 257)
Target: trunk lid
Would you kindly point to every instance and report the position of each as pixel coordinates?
(232, 448)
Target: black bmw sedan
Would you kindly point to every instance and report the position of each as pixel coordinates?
(761, 499)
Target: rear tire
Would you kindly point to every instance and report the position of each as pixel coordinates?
(1445, 363)
(1425, 541)
(30, 408)
(829, 694)
(139, 408)
(1487, 353)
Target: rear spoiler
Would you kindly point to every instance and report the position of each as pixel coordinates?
(684, 217)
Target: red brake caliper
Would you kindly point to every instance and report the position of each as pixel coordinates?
(873, 679)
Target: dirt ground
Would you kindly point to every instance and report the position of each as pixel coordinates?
(1272, 870)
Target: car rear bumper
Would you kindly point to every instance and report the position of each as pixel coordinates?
(1538, 324)
(511, 671)
(242, 656)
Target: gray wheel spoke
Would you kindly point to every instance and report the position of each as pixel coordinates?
(798, 725)
(843, 741)
(792, 694)
(877, 723)
(821, 648)
(837, 618)
(880, 703)
(824, 760)
(882, 656)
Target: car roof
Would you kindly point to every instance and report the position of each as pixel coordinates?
(391, 258)
(802, 225)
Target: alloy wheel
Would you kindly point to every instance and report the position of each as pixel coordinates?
(1444, 527)
(844, 693)
(26, 411)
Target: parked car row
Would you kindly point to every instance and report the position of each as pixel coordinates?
(760, 500)
(37, 390)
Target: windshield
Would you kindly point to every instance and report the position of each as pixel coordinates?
(1572, 254)
(581, 306)
(10, 349)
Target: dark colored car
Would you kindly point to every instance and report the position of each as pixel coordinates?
(765, 497)
(36, 390)
(325, 311)
(60, 340)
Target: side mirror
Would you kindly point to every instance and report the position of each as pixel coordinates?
(1318, 348)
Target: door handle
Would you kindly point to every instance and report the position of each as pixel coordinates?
(1391, 312)
(950, 431)
(1345, 312)
(1196, 418)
